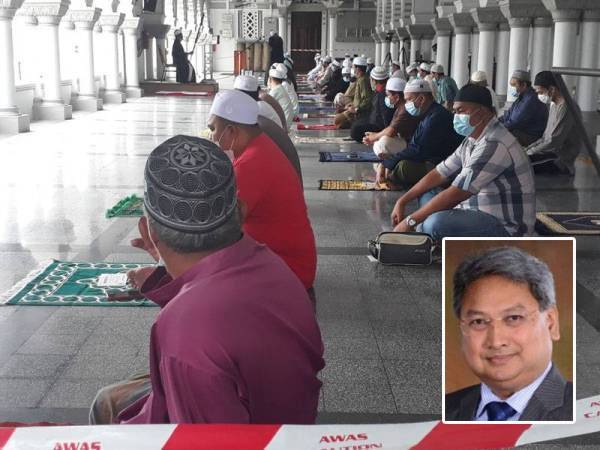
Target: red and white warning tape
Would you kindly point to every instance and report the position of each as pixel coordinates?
(414, 436)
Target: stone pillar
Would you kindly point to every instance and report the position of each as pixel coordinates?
(84, 21)
(394, 48)
(52, 106)
(502, 59)
(462, 24)
(149, 54)
(110, 28)
(11, 121)
(542, 45)
(415, 47)
(565, 40)
(519, 45)
(487, 20)
(426, 42)
(474, 49)
(385, 49)
(377, 49)
(443, 31)
(131, 27)
(332, 30)
(587, 92)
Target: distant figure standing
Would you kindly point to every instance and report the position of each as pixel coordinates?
(276, 46)
(180, 59)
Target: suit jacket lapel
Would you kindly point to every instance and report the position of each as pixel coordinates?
(547, 397)
(469, 403)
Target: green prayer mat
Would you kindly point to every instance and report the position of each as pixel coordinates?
(61, 283)
(350, 185)
(130, 206)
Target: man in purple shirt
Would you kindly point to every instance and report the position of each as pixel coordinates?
(236, 340)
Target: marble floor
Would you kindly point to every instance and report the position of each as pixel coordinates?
(381, 325)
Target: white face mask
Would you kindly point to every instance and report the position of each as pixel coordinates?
(512, 91)
(352, 73)
(229, 152)
(544, 98)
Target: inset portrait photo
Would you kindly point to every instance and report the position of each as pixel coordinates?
(508, 330)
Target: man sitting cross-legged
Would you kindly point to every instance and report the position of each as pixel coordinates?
(491, 191)
(433, 140)
(236, 340)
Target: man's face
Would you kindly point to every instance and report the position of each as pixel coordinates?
(472, 109)
(437, 75)
(510, 353)
(416, 98)
(221, 134)
(520, 87)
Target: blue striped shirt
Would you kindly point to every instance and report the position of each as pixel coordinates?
(518, 401)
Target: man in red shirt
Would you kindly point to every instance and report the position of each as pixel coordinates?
(274, 208)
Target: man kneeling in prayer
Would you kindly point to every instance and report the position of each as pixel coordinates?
(236, 340)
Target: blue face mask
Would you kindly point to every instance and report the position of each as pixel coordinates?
(388, 103)
(411, 108)
(462, 124)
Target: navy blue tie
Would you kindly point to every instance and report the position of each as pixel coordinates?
(499, 411)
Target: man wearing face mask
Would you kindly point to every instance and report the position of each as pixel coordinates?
(433, 140)
(394, 137)
(380, 115)
(491, 191)
(527, 116)
(556, 150)
(361, 101)
(269, 188)
(446, 87)
(279, 93)
(343, 99)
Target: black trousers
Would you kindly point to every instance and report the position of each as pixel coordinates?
(360, 127)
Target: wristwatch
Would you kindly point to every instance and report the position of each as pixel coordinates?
(410, 221)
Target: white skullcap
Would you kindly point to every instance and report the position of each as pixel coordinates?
(280, 66)
(479, 76)
(328, 59)
(246, 83)
(363, 56)
(235, 106)
(379, 73)
(359, 61)
(272, 33)
(347, 63)
(336, 63)
(426, 67)
(418, 86)
(437, 68)
(369, 60)
(395, 84)
(277, 73)
(178, 32)
(396, 63)
(412, 67)
(398, 74)
(346, 55)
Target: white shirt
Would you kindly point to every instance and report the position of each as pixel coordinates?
(518, 401)
(266, 110)
(279, 93)
(289, 87)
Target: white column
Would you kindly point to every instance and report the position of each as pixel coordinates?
(502, 59)
(415, 47)
(84, 21)
(377, 53)
(149, 53)
(426, 48)
(332, 31)
(110, 29)
(565, 41)
(474, 47)
(130, 35)
(394, 49)
(519, 42)
(52, 106)
(460, 69)
(485, 54)
(385, 48)
(282, 26)
(542, 45)
(10, 120)
(587, 93)
(443, 51)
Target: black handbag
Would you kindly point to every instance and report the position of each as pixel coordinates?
(410, 249)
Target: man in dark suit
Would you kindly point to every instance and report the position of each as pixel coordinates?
(505, 301)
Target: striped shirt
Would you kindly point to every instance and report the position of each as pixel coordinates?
(518, 401)
(496, 170)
